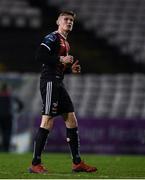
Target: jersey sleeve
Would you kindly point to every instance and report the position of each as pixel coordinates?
(49, 41)
(45, 53)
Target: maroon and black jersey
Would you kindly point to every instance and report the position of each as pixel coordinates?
(52, 47)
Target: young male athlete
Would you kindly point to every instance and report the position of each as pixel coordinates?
(55, 58)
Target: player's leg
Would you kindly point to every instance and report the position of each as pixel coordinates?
(71, 123)
(72, 136)
(72, 133)
(40, 139)
(74, 144)
(39, 143)
(67, 111)
(48, 97)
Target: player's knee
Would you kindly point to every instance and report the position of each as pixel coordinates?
(70, 120)
(46, 122)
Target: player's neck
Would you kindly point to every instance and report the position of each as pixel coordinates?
(63, 33)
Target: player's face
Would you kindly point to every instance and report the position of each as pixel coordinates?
(65, 23)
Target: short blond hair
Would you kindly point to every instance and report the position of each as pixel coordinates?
(71, 13)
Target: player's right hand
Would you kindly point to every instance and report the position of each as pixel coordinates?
(66, 59)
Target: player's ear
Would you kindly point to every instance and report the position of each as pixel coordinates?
(57, 22)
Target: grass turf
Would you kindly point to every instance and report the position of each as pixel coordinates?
(14, 166)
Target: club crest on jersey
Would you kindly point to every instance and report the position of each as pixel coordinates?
(51, 37)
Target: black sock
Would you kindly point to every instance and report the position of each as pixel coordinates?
(74, 144)
(39, 144)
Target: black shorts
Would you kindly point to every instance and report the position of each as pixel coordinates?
(55, 98)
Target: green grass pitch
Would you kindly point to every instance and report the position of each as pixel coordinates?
(14, 166)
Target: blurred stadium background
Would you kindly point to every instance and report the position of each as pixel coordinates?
(109, 95)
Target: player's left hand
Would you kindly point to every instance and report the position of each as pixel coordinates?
(76, 68)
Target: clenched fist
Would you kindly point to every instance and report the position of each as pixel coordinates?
(66, 59)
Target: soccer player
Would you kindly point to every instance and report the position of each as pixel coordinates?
(54, 55)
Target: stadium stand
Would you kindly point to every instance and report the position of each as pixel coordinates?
(19, 13)
(108, 96)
